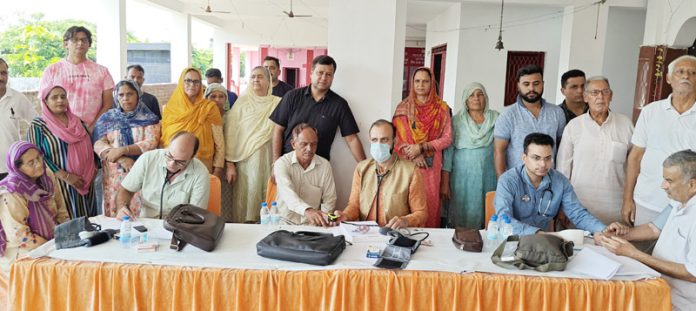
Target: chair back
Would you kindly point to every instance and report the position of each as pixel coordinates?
(214, 201)
(490, 209)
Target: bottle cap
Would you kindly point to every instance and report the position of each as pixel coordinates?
(126, 218)
(494, 217)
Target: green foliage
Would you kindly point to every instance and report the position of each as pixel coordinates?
(202, 59)
(34, 43)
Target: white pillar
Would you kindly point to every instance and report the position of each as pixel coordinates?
(369, 52)
(579, 47)
(181, 49)
(220, 39)
(111, 30)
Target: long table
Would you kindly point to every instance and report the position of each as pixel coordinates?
(233, 277)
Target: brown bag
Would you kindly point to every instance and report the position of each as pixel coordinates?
(194, 225)
(467, 239)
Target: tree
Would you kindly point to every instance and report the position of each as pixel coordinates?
(33, 44)
(202, 59)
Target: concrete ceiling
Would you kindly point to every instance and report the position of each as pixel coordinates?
(263, 21)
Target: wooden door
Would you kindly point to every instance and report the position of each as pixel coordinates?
(651, 81)
(438, 59)
(515, 61)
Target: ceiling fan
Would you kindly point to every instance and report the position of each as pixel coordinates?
(292, 15)
(208, 9)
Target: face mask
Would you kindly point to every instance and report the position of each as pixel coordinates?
(380, 152)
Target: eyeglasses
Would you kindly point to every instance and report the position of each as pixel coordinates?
(605, 92)
(33, 163)
(82, 40)
(190, 82)
(179, 163)
(681, 71)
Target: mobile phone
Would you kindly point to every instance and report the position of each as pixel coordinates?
(140, 228)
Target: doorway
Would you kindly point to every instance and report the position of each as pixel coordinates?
(291, 75)
(515, 61)
(438, 59)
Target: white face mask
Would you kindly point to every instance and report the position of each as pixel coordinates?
(380, 152)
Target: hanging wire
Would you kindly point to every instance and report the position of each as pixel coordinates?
(499, 45)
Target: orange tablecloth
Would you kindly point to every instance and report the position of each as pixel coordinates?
(44, 284)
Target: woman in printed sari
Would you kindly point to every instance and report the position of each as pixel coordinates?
(121, 135)
(63, 139)
(188, 110)
(468, 171)
(424, 129)
(29, 206)
(248, 155)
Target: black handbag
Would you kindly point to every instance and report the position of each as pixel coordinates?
(67, 234)
(313, 248)
(193, 225)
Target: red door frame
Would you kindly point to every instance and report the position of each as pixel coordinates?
(439, 50)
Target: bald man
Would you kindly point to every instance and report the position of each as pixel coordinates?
(165, 178)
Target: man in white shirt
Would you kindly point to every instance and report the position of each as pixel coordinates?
(675, 228)
(14, 106)
(593, 152)
(306, 190)
(664, 127)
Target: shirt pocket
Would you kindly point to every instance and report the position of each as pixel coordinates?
(177, 197)
(619, 152)
(311, 195)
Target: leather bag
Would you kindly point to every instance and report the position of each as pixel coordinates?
(194, 225)
(67, 234)
(313, 248)
(466, 239)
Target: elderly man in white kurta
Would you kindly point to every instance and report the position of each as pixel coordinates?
(306, 190)
(664, 127)
(593, 153)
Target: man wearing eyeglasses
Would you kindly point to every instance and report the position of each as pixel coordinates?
(532, 194)
(663, 127)
(165, 179)
(87, 84)
(593, 153)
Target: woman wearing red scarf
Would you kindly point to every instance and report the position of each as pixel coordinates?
(423, 130)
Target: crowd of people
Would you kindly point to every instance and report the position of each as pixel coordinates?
(100, 147)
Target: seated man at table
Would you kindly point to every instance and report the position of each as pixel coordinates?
(385, 188)
(533, 193)
(306, 190)
(675, 230)
(165, 179)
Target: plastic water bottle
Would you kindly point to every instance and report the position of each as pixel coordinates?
(265, 215)
(275, 216)
(492, 232)
(125, 233)
(506, 230)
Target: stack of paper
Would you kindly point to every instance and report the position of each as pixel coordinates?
(594, 264)
(362, 232)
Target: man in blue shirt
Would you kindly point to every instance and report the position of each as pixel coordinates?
(530, 114)
(533, 193)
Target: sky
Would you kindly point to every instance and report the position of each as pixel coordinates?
(139, 18)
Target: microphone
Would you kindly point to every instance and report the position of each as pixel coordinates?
(99, 238)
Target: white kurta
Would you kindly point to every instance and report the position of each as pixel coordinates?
(593, 157)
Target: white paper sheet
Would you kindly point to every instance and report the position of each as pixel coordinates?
(594, 264)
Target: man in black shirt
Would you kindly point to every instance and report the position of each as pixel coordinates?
(317, 105)
(279, 87)
(137, 74)
(573, 87)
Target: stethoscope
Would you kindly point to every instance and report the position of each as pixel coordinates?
(526, 198)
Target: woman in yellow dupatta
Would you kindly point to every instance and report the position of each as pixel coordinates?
(248, 154)
(424, 129)
(188, 110)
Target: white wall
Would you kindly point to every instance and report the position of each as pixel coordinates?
(443, 29)
(370, 57)
(480, 62)
(665, 19)
(621, 55)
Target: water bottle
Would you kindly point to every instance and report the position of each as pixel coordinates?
(125, 234)
(275, 216)
(507, 228)
(492, 232)
(265, 216)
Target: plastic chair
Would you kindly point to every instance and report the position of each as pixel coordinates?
(490, 209)
(271, 192)
(215, 198)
